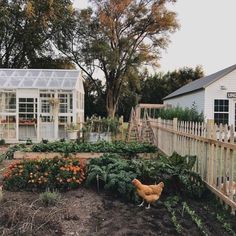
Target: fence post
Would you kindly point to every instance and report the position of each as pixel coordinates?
(174, 146)
(159, 133)
(209, 152)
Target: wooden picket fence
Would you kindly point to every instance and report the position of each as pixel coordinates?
(213, 145)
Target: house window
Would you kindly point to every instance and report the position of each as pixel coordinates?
(221, 111)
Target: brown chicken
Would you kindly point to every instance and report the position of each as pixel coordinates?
(227, 190)
(149, 193)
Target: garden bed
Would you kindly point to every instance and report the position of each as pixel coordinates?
(85, 212)
(81, 155)
(49, 155)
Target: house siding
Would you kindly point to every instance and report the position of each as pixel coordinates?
(188, 100)
(214, 91)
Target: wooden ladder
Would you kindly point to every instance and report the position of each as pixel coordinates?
(147, 134)
(133, 129)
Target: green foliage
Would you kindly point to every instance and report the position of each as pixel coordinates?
(158, 86)
(96, 124)
(155, 88)
(183, 114)
(114, 175)
(50, 198)
(194, 217)
(9, 154)
(56, 173)
(2, 142)
(170, 203)
(19, 20)
(226, 226)
(29, 141)
(119, 37)
(177, 170)
(94, 98)
(2, 157)
(45, 141)
(115, 147)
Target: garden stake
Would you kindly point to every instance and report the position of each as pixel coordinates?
(97, 177)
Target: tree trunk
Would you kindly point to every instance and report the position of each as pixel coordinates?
(111, 103)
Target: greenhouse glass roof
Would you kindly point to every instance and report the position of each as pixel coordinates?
(39, 78)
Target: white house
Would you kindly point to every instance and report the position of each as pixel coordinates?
(214, 95)
(37, 103)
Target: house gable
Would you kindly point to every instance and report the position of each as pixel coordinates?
(202, 83)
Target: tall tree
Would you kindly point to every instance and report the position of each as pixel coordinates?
(155, 88)
(26, 27)
(47, 62)
(94, 101)
(118, 37)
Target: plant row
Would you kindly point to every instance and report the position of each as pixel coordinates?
(114, 174)
(56, 173)
(115, 147)
(68, 147)
(110, 172)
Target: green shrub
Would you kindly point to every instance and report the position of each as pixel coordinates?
(96, 124)
(113, 173)
(2, 157)
(9, 154)
(177, 170)
(29, 141)
(50, 198)
(103, 146)
(45, 141)
(183, 114)
(2, 142)
(56, 173)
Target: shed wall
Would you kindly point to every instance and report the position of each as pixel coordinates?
(188, 100)
(215, 91)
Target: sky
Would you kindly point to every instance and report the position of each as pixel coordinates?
(207, 35)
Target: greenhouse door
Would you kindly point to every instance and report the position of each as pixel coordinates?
(47, 130)
(27, 118)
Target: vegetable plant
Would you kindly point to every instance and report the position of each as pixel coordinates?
(194, 217)
(103, 146)
(177, 170)
(114, 174)
(170, 203)
(56, 173)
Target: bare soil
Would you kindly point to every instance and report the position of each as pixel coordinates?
(84, 212)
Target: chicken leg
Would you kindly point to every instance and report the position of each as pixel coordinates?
(141, 204)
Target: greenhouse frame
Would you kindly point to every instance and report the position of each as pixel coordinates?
(40, 104)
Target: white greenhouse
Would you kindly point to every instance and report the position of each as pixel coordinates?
(40, 104)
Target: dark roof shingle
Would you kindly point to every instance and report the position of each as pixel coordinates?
(201, 83)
